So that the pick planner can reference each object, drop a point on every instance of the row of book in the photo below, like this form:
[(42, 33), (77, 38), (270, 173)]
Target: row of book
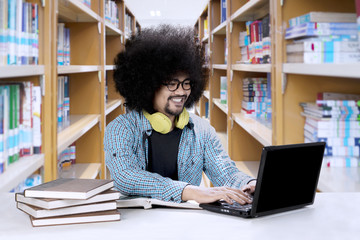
[(128, 25), (20, 121), (222, 11), (31, 181), (335, 119), (69, 201), (111, 13), (66, 159), (255, 42), (257, 98), (206, 26), (323, 37), (19, 33), (63, 45), (63, 102)]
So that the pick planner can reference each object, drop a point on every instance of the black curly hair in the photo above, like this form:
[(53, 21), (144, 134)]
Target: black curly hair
[(151, 58)]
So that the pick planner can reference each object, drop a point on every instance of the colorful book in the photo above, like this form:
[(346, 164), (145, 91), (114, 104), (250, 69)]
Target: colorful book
[(223, 90), (323, 46), (69, 188), (323, 57)]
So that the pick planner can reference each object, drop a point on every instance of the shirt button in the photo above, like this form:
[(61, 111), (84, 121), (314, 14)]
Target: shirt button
[(171, 199)]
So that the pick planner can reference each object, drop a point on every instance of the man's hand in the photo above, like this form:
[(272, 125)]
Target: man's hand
[(207, 195), (250, 187)]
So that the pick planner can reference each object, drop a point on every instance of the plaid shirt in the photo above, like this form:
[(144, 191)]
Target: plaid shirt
[(126, 150)]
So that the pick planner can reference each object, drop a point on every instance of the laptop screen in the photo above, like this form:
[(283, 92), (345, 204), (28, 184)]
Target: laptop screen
[(288, 177)]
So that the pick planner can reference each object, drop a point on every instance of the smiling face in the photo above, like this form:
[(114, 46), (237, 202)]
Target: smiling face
[(172, 103)]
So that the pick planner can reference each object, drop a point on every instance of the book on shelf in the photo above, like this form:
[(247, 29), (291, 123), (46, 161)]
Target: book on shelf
[(323, 46), (342, 161), (327, 132), (111, 13), (147, 203), (63, 45), (311, 29), (223, 89), (223, 11), (69, 188), (323, 57), (103, 216), (53, 203), (322, 17), (19, 33), (329, 97), (37, 212), (357, 4)]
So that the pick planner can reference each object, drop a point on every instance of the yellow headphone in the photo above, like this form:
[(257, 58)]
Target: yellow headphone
[(162, 124)]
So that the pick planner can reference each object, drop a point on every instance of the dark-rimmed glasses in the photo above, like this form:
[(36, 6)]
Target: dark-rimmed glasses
[(173, 85)]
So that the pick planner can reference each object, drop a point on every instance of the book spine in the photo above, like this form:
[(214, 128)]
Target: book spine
[(2, 140), (342, 161), (223, 11), (336, 142), (36, 102), (223, 90), (342, 151)]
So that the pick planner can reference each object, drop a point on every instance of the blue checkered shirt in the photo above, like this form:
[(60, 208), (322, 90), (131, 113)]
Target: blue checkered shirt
[(126, 150)]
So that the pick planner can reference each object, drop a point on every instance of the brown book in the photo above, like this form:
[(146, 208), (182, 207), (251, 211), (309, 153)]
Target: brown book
[(69, 188), (103, 216), (43, 213), (53, 203)]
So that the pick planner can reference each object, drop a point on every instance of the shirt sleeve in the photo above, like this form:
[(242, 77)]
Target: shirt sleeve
[(220, 169), (128, 170)]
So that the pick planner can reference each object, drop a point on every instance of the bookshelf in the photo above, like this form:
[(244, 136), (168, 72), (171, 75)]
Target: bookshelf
[(94, 43), (290, 84)]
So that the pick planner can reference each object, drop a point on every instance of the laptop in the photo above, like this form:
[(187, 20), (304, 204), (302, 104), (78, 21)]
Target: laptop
[(287, 179)]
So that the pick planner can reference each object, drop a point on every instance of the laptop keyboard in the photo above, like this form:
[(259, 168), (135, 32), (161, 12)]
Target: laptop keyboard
[(236, 206)]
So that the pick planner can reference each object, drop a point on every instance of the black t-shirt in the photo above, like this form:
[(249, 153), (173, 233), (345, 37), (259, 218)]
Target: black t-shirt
[(163, 153)]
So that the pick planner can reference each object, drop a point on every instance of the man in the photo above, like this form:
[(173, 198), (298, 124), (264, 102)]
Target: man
[(158, 149)]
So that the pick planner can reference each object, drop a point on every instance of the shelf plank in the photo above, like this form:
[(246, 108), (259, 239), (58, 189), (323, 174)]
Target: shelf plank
[(339, 179), (19, 171), (76, 11), (261, 131), (112, 30), (266, 68), (109, 67), (249, 167), (78, 69), (223, 107), (79, 125), (82, 170), (112, 105), (220, 66), (197, 110), (220, 30), (207, 94), (205, 38), (348, 70), (252, 10), (21, 71)]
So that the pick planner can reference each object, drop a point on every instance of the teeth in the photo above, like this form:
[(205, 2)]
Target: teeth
[(177, 99)]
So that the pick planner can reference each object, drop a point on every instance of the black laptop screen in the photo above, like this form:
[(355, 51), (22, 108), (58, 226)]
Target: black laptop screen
[(290, 177)]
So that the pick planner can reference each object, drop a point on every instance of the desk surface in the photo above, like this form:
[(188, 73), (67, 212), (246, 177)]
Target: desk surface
[(333, 216)]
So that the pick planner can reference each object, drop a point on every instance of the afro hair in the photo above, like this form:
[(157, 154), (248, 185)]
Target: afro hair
[(151, 58)]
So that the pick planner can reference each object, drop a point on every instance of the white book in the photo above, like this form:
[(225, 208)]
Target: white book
[(53, 203), (146, 203), (103, 216), (69, 188), (42, 213)]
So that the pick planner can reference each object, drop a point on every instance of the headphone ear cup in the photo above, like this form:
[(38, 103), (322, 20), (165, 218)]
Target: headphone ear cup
[(183, 119), (159, 122)]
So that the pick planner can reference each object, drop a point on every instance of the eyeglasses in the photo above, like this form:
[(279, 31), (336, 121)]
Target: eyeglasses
[(173, 85)]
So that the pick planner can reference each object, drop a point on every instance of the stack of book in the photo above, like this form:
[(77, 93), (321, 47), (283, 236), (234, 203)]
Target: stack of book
[(69, 201), (255, 99), (255, 42), (336, 122), (323, 37)]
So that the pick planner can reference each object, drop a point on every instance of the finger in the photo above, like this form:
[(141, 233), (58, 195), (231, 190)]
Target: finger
[(240, 198)]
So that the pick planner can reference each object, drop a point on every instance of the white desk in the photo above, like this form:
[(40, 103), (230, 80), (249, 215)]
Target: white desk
[(333, 216)]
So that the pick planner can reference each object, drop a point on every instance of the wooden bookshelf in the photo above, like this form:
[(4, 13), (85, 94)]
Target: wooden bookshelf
[(94, 44), (290, 84)]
